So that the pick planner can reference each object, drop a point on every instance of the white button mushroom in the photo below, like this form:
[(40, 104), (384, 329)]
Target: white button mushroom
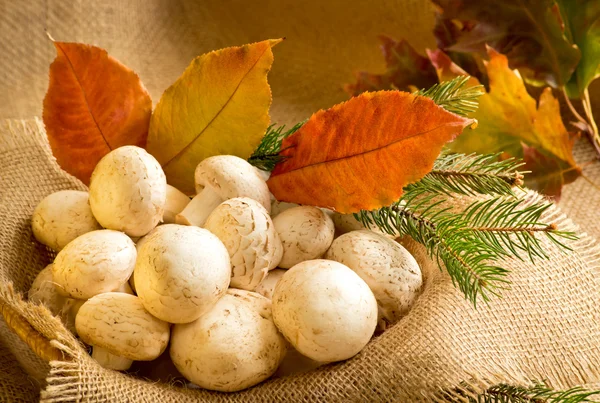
[(232, 347), (176, 202), (278, 207), (267, 286), (391, 271), (96, 262), (306, 233), (265, 175), (181, 272), (128, 191), (109, 360), (221, 178), (346, 222), (258, 302), (125, 287), (120, 324), (70, 309), (44, 291), (325, 310), (246, 230), (61, 217)]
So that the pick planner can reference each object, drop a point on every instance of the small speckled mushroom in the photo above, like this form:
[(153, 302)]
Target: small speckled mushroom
[(387, 267), (325, 310), (221, 178), (181, 272), (232, 347), (120, 324), (128, 191), (246, 230), (109, 360), (267, 287), (278, 207), (96, 262), (346, 222), (61, 217), (44, 291), (176, 202), (306, 233)]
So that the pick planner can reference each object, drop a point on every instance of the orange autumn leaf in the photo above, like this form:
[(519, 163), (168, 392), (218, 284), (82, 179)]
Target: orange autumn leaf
[(94, 104), (361, 153)]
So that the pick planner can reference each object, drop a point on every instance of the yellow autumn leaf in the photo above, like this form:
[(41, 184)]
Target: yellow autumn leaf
[(219, 105), (511, 122)]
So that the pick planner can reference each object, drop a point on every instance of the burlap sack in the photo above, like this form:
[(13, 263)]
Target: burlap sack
[(546, 327)]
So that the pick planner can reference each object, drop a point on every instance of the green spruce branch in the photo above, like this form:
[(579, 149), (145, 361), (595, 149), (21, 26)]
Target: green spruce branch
[(454, 95), (539, 393), (469, 242), (266, 155), (474, 174)]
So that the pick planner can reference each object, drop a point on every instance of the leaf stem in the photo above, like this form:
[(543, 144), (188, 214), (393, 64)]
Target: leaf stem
[(572, 108), (593, 134), (587, 106), (591, 182)]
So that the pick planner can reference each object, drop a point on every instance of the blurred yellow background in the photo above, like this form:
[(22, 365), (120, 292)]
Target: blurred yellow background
[(327, 41)]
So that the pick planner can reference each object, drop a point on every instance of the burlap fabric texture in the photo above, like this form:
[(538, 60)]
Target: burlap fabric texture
[(546, 327)]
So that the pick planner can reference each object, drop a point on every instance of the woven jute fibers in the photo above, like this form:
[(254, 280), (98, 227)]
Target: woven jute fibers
[(545, 327)]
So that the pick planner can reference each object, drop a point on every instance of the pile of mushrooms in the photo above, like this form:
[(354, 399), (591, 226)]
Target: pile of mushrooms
[(236, 285)]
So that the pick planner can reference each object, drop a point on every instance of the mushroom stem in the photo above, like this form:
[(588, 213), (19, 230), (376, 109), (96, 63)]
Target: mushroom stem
[(109, 360), (198, 210), (176, 202)]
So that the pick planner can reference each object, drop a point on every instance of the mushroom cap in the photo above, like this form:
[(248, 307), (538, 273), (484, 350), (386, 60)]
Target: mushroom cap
[(231, 347), (181, 272), (267, 287), (96, 262), (230, 176), (120, 324), (258, 302), (61, 217), (44, 291), (306, 233), (128, 191), (246, 230), (346, 222), (387, 267), (278, 207), (325, 310), (109, 360)]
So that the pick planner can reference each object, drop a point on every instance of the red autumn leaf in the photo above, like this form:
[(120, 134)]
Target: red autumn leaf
[(94, 104), (361, 153)]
